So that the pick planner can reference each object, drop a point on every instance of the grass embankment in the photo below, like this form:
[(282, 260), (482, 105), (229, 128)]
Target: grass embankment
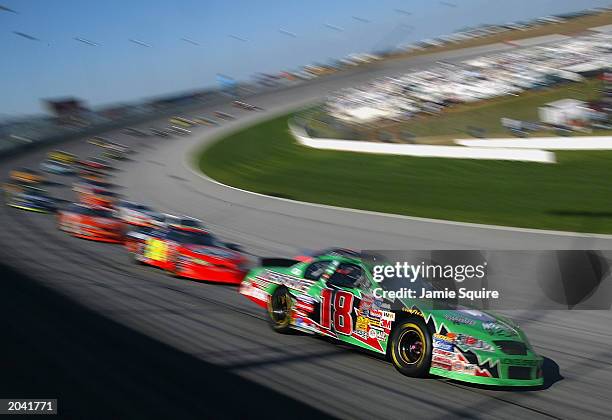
[(575, 194)]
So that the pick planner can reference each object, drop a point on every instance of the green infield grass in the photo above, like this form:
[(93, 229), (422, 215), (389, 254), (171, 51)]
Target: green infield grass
[(573, 195)]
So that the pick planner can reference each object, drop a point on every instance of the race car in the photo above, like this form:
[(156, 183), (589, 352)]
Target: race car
[(90, 186), (336, 296), (137, 236), (96, 163), (247, 106), (110, 145), (90, 222), (175, 129), (90, 175), (184, 222), (191, 253), (98, 141), (56, 167), (99, 197), (182, 122), (134, 132), (158, 132), (205, 121), (27, 197), (114, 154), (134, 213), (224, 115), (61, 156), (26, 175)]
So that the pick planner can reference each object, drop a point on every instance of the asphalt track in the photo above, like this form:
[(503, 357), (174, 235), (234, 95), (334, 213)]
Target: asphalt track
[(140, 336)]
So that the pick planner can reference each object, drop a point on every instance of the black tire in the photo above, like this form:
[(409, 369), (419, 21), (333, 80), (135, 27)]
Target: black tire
[(410, 348), (279, 310)]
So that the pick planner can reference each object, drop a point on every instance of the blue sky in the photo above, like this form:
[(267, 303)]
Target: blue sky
[(119, 70)]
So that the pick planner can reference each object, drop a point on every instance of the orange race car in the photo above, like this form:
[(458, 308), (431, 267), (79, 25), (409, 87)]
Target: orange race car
[(98, 197), (26, 175), (89, 222)]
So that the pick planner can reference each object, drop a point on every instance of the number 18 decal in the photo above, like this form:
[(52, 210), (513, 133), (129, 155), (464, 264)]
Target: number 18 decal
[(343, 307)]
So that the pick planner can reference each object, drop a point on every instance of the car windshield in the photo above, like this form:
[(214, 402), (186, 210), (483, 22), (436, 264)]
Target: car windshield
[(89, 211), (191, 238), (135, 206), (191, 223), (99, 213)]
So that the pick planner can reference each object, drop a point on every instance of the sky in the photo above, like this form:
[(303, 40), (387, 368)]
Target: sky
[(237, 38)]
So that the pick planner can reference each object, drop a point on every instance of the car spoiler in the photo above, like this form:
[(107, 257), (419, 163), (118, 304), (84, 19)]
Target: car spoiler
[(277, 262)]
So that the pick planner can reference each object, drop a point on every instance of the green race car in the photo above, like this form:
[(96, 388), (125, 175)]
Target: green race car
[(336, 296)]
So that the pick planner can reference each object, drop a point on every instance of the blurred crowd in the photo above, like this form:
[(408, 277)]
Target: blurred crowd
[(495, 75)]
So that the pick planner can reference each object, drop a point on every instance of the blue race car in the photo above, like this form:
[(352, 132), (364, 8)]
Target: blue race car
[(30, 198), (55, 167)]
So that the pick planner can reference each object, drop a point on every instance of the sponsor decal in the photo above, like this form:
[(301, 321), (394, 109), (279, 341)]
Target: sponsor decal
[(362, 323), (375, 323), (387, 316), (361, 334), (366, 302), (443, 353), (497, 329), (375, 313), (379, 304), (385, 323), (377, 334), (457, 319), (291, 282), (441, 363), (255, 292), (304, 306), (442, 342), (470, 342), (413, 311)]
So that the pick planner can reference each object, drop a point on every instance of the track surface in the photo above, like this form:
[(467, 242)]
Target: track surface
[(215, 325)]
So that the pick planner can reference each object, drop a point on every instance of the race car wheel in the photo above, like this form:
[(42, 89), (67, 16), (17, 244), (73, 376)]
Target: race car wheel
[(410, 348), (279, 310)]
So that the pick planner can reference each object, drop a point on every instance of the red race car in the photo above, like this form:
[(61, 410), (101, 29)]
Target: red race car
[(96, 163), (95, 223), (191, 253)]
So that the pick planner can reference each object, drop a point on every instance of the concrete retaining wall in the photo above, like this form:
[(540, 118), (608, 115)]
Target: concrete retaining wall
[(454, 152), (546, 143)]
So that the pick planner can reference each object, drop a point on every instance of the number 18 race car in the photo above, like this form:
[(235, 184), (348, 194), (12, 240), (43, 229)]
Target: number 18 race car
[(335, 296)]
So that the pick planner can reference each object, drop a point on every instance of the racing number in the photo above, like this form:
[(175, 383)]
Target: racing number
[(155, 250), (343, 306)]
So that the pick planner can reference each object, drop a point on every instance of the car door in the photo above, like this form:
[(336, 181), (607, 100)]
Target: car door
[(345, 304), (155, 247), (349, 310)]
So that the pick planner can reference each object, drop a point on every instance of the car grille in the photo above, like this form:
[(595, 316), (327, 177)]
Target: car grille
[(519, 372), (515, 348)]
